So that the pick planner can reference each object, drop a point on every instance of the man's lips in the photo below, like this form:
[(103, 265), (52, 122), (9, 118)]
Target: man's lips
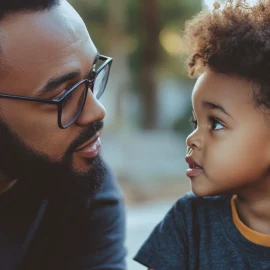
[(90, 141), (91, 148)]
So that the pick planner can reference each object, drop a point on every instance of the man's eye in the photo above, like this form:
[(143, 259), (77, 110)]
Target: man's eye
[(215, 124), (67, 99), (58, 95)]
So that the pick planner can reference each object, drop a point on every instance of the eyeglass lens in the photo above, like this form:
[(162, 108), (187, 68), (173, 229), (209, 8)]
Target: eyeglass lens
[(73, 103)]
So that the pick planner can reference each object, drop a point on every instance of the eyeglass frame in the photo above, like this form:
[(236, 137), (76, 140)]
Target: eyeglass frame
[(58, 101)]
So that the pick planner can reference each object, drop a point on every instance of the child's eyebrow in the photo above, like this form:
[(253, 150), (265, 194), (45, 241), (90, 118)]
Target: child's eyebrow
[(214, 106)]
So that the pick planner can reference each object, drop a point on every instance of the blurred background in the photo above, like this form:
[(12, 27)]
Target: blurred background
[(147, 101)]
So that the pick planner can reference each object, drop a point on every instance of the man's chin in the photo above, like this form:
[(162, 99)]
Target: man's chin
[(85, 166), (90, 177), (63, 182)]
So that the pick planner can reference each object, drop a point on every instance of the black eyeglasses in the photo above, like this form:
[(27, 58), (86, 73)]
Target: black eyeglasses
[(70, 105)]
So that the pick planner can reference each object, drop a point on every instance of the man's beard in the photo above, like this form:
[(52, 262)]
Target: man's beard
[(39, 173)]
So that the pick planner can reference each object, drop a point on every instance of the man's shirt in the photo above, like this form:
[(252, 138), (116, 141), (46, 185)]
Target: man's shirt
[(39, 234)]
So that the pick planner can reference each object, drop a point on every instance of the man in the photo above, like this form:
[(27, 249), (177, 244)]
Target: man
[(60, 207)]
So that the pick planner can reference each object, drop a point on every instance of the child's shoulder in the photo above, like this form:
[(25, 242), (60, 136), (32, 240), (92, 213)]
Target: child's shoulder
[(189, 205), (173, 243)]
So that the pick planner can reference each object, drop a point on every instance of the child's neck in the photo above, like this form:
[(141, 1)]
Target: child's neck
[(254, 211)]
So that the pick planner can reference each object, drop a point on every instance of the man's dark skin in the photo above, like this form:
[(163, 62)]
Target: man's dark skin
[(41, 158), (35, 49)]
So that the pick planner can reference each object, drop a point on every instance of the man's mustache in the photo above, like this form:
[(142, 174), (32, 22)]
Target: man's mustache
[(86, 135)]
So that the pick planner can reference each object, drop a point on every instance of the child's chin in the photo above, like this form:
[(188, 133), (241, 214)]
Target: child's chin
[(204, 192)]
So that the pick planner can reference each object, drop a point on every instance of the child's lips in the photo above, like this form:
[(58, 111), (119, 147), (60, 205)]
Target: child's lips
[(191, 172), (192, 164), (194, 168)]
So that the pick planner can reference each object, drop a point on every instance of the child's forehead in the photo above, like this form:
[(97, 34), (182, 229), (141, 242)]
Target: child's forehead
[(221, 88)]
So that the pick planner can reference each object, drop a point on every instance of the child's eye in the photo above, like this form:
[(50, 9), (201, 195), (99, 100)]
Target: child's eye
[(216, 125), (193, 122)]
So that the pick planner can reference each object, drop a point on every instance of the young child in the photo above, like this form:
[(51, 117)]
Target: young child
[(225, 222)]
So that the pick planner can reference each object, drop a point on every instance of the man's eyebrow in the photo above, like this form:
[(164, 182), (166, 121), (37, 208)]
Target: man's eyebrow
[(214, 106), (54, 83)]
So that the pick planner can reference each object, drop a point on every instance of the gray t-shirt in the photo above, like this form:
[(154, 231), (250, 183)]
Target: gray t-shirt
[(199, 233)]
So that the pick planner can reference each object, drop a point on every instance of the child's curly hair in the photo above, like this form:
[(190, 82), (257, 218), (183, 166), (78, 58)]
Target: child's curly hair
[(233, 39)]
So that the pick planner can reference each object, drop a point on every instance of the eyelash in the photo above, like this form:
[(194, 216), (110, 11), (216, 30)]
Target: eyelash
[(89, 77), (193, 122), (212, 119)]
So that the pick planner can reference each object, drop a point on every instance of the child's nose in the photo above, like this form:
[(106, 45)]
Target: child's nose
[(194, 140)]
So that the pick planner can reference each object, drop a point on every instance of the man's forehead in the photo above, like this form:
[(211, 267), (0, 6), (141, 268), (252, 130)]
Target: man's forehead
[(63, 11), (46, 41), (60, 25)]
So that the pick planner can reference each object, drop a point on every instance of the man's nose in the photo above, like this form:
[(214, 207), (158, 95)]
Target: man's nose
[(93, 111)]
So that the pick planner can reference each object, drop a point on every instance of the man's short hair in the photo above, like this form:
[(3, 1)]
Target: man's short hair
[(11, 6)]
